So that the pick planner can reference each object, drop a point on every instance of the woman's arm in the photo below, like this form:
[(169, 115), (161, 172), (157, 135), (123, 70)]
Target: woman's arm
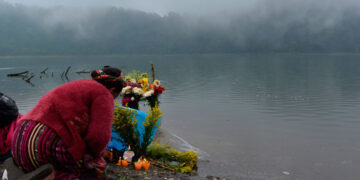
[(99, 130)]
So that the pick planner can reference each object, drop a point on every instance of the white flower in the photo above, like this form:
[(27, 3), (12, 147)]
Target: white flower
[(148, 93), (138, 91), (157, 83), (132, 98), (126, 90)]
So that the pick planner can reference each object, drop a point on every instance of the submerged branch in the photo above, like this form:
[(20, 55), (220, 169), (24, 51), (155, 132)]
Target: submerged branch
[(18, 74), (83, 72), (66, 73), (44, 71)]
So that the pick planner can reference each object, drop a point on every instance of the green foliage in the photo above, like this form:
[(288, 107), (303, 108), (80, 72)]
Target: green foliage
[(165, 153), (160, 152), (136, 75), (151, 122), (125, 124)]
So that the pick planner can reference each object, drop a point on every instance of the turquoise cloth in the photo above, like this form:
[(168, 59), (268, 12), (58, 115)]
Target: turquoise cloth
[(115, 142)]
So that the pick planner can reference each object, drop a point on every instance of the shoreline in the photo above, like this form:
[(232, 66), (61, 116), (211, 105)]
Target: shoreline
[(129, 173)]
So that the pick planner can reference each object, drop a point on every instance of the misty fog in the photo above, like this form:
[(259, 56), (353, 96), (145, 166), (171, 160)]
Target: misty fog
[(264, 26)]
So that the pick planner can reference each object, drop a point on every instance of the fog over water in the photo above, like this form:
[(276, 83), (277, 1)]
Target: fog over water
[(109, 27)]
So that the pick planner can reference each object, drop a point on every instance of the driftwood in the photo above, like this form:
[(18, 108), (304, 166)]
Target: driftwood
[(83, 72), (62, 75), (28, 79), (66, 73), (44, 71), (21, 74)]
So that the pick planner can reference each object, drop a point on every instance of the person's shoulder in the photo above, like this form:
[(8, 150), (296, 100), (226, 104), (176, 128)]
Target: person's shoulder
[(92, 87), (83, 83)]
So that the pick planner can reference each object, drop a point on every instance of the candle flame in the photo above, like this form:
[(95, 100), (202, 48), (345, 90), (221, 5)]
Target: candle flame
[(129, 147)]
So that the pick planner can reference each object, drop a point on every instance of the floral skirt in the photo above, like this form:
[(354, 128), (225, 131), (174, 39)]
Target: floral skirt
[(35, 144)]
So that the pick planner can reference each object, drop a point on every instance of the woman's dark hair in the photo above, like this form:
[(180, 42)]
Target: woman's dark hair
[(8, 110), (109, 77)]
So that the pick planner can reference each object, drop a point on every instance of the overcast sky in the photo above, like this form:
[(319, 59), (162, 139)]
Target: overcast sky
[(158, 6)]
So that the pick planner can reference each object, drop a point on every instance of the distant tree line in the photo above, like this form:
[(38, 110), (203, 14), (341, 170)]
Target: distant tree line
[(56, 31)]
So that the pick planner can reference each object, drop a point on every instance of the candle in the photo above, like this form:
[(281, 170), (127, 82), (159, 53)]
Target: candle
[(111, 155), (138, 165), (119, 162), (124, 163), (128, 155), (146, 165)]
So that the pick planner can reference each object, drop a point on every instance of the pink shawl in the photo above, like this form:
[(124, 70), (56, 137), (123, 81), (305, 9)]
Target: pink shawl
[(6, 136)]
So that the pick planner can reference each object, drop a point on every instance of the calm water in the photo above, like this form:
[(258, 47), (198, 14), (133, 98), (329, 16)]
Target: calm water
[(256, 116)]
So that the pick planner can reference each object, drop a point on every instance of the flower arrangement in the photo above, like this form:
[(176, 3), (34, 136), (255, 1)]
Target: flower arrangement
[(152, 95), (138, 88), (131, 95)]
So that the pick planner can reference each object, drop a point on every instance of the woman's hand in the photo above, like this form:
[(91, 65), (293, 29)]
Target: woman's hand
[(106, 155)]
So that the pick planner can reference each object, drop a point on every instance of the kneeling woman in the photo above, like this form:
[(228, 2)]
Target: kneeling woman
[(70, 127)]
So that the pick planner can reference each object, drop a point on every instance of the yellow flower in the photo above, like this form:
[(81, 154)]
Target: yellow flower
[(145, 84), (145, 80)]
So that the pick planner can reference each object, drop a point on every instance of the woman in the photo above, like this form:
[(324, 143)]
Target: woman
[(9, 113), (70, 127)]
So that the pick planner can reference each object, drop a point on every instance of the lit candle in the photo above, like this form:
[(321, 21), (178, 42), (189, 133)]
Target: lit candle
[(146, 165), (111, 155), (119, 162), (128, 155), (138, 165), (124, 163)]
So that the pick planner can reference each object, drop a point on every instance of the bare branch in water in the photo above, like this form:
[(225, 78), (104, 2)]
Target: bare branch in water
[(62, 75), (44, 71), (28, 79), (83, 72), (66, 73), (21, 74)]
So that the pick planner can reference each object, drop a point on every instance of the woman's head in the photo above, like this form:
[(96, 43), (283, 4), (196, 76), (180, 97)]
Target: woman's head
[(8, 110), (110, 77)]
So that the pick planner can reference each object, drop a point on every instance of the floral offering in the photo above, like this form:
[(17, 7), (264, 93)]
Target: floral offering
[(137, 88), (152, 95), (131, 96)]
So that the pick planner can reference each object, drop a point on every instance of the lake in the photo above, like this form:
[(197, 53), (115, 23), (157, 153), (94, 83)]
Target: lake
[(253, 116)]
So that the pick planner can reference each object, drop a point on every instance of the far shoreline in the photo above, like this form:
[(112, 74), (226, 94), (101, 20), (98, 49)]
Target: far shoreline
[(175, 54)]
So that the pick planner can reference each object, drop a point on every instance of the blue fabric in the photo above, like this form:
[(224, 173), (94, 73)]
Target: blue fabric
[(116, 144)]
